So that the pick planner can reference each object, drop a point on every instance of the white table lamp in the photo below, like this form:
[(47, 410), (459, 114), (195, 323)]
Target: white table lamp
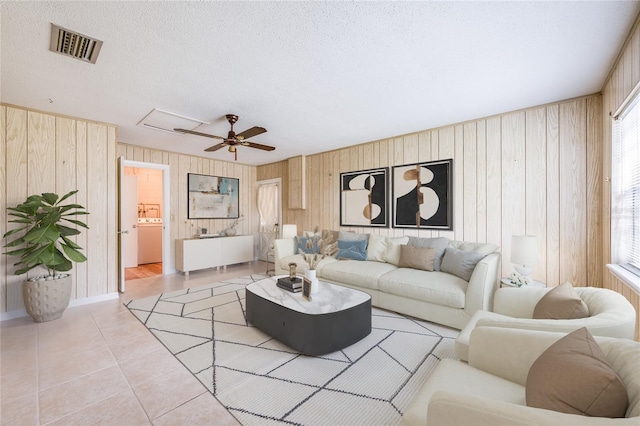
[(524, 253), (289, 230)]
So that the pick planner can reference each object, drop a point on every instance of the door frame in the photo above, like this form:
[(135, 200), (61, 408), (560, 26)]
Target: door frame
[(166, 216)]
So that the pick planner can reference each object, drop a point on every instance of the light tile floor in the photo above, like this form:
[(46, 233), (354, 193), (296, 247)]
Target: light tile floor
[(98, 365)]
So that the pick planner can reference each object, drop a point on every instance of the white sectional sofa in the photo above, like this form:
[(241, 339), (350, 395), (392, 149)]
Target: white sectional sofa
[(435, 296)]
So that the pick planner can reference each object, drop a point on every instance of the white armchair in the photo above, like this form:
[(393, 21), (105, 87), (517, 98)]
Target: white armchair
[(490, 389), (610, 314)]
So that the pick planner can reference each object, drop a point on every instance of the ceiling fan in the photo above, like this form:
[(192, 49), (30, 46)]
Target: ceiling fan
[(233, 140)]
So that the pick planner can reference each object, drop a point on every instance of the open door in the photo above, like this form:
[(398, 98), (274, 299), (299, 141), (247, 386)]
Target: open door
[(127, 223), (128, 219)]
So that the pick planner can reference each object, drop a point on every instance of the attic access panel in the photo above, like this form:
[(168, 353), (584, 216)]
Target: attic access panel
[(165, 121)]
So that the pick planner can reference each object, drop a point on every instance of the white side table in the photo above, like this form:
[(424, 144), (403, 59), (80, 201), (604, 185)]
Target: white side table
[(506, 282)]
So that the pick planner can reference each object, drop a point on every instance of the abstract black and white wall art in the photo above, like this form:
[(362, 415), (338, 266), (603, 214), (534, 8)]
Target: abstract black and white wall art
[(363, 198), (213, 197), (422, 195)]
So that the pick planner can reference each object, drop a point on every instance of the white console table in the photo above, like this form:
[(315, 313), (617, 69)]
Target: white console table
[(202, 253)]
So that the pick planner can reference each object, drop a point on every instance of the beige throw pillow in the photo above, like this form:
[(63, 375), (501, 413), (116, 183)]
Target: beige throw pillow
[(417, 258), (439, 243), (562, 302), (573, 376)]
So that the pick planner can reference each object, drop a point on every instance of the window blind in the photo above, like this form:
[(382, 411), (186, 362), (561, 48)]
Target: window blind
[(625, 187)]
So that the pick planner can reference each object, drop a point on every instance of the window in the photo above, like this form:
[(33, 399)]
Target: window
[(625, 186)]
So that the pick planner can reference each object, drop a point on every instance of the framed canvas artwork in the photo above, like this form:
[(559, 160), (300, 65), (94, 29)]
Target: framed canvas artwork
[(422, 195), (213, 197), (363, 198)]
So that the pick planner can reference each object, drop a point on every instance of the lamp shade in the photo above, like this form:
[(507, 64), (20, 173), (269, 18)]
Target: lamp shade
[(289, 230), (524, 250)]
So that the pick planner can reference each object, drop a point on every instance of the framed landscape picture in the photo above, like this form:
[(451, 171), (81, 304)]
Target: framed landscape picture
[(213, 197), (363, 198), (422, 195)]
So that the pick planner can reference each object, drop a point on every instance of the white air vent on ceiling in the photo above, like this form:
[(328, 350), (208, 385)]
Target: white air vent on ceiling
[(74, 44), (166, 121)]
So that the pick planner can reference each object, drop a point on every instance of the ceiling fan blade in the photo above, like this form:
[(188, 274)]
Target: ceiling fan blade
[(249, 133), (215, 147), (259, 146), (191, 132)]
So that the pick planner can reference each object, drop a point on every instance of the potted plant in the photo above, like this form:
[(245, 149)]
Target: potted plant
[(43, 240)]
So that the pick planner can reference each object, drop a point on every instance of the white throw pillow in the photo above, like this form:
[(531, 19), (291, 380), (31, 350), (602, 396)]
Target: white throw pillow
[(376, 248), (392, 253)]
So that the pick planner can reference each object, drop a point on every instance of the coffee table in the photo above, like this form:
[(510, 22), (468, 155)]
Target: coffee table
[(335, 318)]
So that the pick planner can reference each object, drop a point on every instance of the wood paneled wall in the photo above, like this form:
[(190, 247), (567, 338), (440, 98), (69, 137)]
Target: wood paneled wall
[(535, 171), (49, 153), (180, 165), (624, 76)]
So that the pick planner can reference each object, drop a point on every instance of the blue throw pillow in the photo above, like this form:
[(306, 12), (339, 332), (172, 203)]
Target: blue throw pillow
[(354, 250), (301, 244)]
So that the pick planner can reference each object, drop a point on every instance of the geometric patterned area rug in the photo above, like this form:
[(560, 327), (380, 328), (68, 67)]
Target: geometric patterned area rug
[(261, 381)]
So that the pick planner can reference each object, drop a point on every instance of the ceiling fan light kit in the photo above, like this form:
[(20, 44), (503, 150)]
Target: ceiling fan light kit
[(233, 139)]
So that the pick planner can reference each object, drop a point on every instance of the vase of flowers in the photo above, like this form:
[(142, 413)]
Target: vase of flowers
[(519, 280), (315, 250)]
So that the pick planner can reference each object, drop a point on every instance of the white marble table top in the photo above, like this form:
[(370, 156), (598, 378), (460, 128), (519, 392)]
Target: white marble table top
[(329, 298)]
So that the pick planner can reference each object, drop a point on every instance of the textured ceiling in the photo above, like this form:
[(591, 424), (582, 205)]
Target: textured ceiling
[(317, 76)]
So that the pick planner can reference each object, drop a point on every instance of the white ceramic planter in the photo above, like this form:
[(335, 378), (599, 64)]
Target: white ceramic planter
[(46, 300)]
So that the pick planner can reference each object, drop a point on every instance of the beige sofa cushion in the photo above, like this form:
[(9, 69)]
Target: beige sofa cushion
[(359, 273), (458, 377), (573, 376), (438, 288), (562, 302)]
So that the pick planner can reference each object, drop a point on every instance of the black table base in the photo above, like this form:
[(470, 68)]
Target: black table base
[(310, 334)]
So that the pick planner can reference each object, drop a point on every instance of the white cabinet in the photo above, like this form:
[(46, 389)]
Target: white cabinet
[(201, 253)]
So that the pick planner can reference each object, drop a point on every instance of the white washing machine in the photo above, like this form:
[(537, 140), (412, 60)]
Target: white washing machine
[(149, 240)]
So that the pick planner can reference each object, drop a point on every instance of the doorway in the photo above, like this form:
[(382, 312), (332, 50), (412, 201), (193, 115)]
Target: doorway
[(270, 214), (144, 220)]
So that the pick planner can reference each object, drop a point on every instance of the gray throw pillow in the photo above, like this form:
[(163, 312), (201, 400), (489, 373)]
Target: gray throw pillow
[(460, 263), (439, 243)]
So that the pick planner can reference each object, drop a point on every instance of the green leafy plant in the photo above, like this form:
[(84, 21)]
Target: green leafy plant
[(44, 233)]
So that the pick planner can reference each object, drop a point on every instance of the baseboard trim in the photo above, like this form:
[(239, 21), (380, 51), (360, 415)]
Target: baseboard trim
[(5, 316)]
